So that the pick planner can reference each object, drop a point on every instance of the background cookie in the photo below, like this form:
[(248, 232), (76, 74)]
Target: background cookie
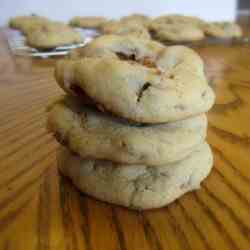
[(177, 28), (222, 29), (93, 134), (52, 35), (136, 19), (137, 186), (27, 24), (93, 22), (126, 28), (176, 32), (178, 19)]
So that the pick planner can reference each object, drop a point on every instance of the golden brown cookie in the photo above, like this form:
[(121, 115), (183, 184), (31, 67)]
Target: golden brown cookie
[(177, 28), (140, 80), (176, 32), (91, 22), (136, 19), (126, 28), (93, 134), (108, 45), (137, 186), (223, 30), (52, 35), (178, 19), (27, 24)]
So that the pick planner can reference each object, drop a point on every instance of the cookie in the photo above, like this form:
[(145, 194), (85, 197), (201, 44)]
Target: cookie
[(177, 28), (179, 19), (176, 32), (52, 35), (140, 80), (93, 134), (114, 46), (137, 187), (136, 19), (91, 22), (223, 30), (126, 28), (27, 24)]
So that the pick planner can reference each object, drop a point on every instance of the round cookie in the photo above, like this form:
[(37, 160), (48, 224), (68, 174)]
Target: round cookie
[(28, 23), (136, 19), (52, 35), (90, 22), (140, 80), (178, 19), (92, 134), (126, 28), (177, 28), (137, 186), (223, 30), (176, 32)]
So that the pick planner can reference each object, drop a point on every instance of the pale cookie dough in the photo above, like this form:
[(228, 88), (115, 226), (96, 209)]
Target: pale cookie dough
[(140, 80), (52, 35), (27, 24), (92, 134), (137, 186), (223, 30), (90, 22)]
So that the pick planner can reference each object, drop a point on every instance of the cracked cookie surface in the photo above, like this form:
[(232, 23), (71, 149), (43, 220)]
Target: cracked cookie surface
[(140, 80)]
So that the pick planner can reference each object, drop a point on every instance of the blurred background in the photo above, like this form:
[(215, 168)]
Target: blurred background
[(63, 10)]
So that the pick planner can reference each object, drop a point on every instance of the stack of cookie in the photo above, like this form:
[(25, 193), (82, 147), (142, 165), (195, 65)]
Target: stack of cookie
[(132, 126)]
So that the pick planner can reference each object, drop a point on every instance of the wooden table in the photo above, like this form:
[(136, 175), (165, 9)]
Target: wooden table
[(41, 210)]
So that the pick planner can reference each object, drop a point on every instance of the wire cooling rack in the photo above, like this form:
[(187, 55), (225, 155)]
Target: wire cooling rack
[(17, 44)]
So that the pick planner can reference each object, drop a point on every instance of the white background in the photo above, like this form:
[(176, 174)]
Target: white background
[(64, 10)]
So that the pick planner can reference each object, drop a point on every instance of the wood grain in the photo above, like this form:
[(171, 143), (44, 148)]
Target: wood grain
[(41, 210)]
